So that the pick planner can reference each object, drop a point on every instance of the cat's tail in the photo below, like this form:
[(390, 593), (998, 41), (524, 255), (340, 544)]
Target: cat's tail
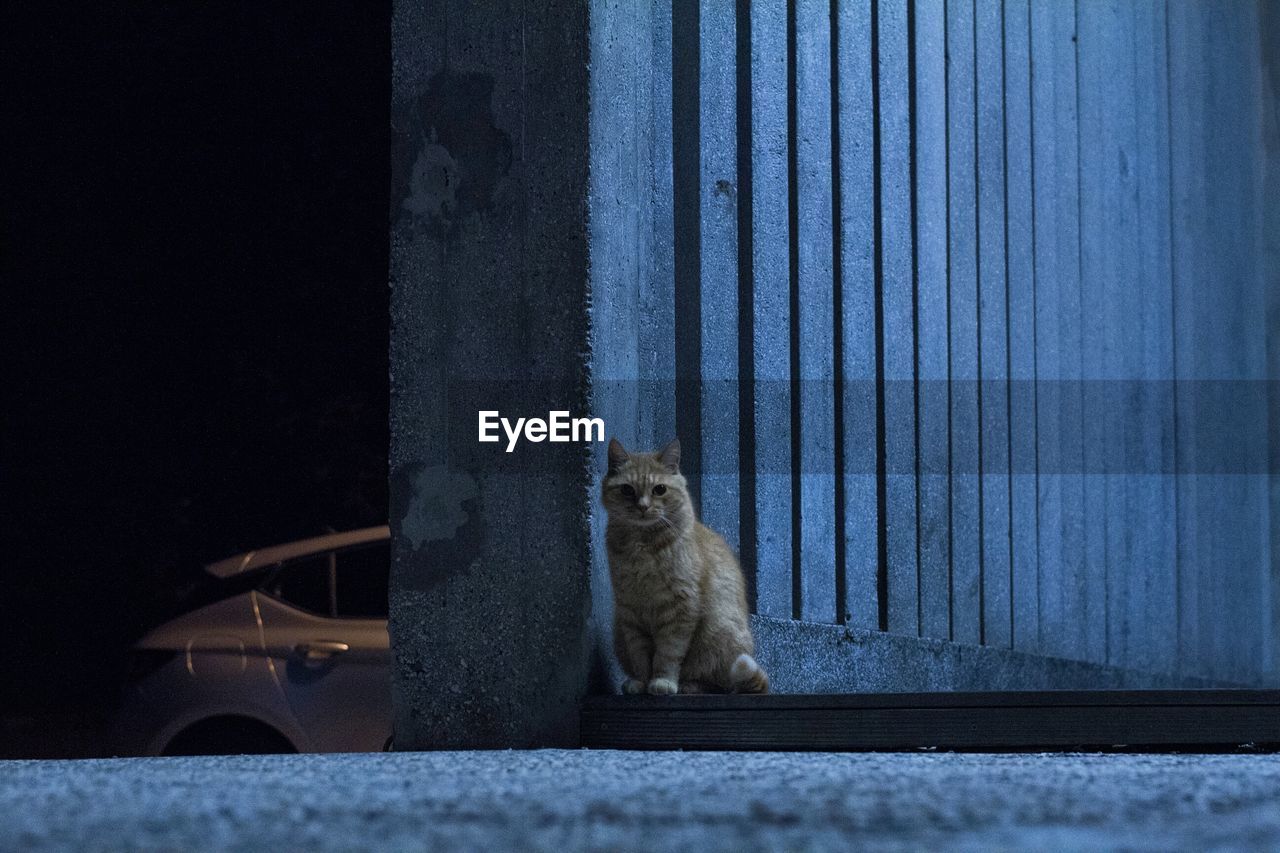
[(747, 676)]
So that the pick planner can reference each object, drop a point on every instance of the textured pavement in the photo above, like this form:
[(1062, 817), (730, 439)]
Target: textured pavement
[(571, 800)]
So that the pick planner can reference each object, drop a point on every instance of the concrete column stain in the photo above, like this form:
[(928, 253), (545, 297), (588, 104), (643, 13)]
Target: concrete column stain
[(436, 508), (461, 153), (443, 521)]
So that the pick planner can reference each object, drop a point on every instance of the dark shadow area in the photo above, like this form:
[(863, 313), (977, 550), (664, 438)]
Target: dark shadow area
[(193, 315)]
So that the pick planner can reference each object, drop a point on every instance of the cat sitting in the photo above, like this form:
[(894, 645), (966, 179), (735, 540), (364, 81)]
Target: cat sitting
[(680, 616)]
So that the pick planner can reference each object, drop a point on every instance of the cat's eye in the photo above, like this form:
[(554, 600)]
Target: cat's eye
[(659, 490), (628, 491)]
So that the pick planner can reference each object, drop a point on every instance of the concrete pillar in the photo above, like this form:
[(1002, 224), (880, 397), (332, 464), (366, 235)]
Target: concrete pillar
[(490, 594)]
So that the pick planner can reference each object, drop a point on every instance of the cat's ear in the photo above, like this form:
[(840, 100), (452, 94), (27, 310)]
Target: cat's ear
[(617, 455), (670, 456)]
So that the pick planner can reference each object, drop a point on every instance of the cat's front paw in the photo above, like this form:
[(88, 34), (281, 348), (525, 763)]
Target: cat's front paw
[(633, 686), (663, 687)]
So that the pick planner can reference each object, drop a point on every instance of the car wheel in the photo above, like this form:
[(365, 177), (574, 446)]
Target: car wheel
[(229, 736)]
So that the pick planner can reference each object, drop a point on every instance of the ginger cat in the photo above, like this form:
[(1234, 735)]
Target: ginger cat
[(680, 618)]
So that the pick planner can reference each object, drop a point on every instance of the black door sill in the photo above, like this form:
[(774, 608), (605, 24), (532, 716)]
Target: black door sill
[(1178, 720)]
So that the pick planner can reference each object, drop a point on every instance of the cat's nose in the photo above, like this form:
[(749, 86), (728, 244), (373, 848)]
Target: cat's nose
[(643, 503)]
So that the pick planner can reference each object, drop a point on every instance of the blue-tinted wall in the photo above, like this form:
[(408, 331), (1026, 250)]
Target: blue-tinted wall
[(959, 308)]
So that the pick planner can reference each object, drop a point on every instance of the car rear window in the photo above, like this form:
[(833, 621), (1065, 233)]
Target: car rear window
[(304, 583)]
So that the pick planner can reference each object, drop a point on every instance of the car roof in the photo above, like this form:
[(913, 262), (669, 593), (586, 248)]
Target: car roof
[(250, 560)]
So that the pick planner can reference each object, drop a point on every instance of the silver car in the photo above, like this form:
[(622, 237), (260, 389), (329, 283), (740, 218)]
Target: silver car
[(285, 651)]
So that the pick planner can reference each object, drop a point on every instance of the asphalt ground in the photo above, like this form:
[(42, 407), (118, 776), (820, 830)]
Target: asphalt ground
[(555, 800)]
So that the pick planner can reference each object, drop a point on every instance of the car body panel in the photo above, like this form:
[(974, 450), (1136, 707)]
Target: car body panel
[(321, 682), (343, 700), (215, 671)]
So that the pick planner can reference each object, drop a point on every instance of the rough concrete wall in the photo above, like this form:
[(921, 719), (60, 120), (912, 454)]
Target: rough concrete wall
[(1269, 52), (533, 267), (632, 301), (490, 586), (1100, 494)]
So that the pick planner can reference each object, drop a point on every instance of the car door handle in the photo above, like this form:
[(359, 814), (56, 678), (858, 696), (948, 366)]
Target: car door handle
[(318, 650)]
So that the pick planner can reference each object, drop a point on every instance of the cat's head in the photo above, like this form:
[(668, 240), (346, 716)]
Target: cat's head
[(646, 489)]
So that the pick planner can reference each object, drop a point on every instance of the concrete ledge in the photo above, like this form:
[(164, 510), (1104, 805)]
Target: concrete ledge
[(806, 657), (558, 801), (1035, 721)]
